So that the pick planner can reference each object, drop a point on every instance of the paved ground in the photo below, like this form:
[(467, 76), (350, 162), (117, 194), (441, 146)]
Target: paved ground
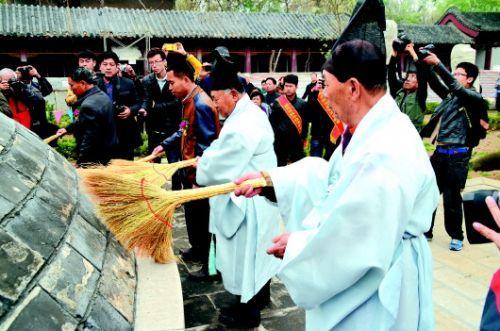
[(461, 280)]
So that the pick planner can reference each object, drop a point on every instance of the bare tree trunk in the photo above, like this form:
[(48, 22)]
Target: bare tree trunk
[(271, 60), (277, 59)]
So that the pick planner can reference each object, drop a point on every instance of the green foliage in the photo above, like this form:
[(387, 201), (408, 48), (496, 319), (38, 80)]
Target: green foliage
[(431, 106), (486, 161), (494, 118), (429, 147), (66, 146), (143, 149)]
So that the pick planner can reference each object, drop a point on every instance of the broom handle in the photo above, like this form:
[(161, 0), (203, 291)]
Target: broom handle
[(150, 157), (210, 191), (50, 139)]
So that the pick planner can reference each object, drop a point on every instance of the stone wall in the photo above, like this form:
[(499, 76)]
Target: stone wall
[(59, 267)]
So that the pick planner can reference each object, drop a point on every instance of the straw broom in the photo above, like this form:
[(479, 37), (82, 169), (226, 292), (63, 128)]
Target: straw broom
[(142, 218), (152, 172)]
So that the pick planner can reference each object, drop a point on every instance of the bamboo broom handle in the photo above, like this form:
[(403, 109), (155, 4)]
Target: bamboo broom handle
[(150, 157), (210, 191), (50, 139)]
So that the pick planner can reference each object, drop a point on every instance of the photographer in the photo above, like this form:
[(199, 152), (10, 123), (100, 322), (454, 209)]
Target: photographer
[(162, 110), (121, 91), (26, 75), (94, 129), (26, 103), (453, 120), (410, 94)]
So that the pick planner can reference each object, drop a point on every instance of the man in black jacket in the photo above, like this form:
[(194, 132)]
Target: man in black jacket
[(94, 129), (160, 107), (453, 116), (289, 136), (121, 91)]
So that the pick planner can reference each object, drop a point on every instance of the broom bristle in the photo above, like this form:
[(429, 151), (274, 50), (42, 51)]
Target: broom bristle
[(139, 213)]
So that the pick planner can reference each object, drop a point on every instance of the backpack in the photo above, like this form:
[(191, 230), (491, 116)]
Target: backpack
[(475, 130)]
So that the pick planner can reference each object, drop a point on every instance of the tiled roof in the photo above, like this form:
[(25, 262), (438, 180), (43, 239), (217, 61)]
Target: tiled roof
[(434, 34), (51, 21), (478, 21)]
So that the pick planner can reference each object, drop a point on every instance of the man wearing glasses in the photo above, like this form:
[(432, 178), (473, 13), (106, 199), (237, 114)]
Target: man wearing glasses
[(454, 117), (160, 107)]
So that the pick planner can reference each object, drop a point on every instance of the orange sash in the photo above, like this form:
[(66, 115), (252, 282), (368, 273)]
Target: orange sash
[(291, 112), (338, 126)]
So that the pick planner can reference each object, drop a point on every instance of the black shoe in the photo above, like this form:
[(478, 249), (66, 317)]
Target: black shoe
[(240, 317), (190, 255), (202, 275)]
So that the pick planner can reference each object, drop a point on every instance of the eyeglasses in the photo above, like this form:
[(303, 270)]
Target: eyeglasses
[(456, 74), (156, 62)]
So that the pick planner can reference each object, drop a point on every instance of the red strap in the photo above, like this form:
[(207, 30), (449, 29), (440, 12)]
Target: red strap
[(158, 217)]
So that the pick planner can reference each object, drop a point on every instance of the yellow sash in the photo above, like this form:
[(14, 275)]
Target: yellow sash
[(338, 126), (291, 112)]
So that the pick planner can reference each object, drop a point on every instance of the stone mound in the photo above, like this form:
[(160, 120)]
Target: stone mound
[(59, 267)]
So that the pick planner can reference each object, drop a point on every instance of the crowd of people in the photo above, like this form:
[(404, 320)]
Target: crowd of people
[(208, 111)]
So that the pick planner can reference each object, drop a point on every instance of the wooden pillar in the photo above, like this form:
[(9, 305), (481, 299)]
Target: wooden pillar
[(487, 59), (294, 60), (248, 60)]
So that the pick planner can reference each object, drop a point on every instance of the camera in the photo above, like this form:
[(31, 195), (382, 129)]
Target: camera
[(119, 108), (15, 85), (399, 44), (25, 72), (425, 51)]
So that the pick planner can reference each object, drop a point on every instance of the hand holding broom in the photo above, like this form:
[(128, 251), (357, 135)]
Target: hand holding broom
[(140, 214), (60, 133)]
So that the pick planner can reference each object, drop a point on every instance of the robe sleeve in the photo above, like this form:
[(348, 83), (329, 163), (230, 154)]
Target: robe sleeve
[(359, 223), (301, 185), (224, 160)]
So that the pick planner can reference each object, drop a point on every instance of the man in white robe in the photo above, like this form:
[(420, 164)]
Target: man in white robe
[(242, 227), (359, 260)]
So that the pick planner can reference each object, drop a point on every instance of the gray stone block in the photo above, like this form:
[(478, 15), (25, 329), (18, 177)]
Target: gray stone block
[(199, 311), (87, 241), (28, 165), (14, 186), (5, 207), (118, 281), (58, 200), (7, 131), (40, 313), (18, 265), (292, 319), (281, 298), (87, 210), (57, 182), (39, 226), (71, 280), (103, 316)]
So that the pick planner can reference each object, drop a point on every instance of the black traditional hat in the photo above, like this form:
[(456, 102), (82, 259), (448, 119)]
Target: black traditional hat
[(367, 23), (178, 63), (224, 74)]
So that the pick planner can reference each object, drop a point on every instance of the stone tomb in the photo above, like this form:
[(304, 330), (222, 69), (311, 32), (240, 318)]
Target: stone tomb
[(60, 269)]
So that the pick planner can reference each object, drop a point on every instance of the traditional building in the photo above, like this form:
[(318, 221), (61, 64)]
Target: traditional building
[(49, 36), (483, 28)]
